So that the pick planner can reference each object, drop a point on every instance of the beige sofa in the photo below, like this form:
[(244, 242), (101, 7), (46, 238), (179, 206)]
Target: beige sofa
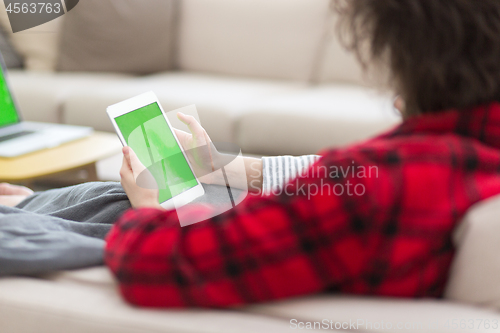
[(268, 76)]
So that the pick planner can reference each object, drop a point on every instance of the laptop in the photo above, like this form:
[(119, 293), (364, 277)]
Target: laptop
[(18, 137)]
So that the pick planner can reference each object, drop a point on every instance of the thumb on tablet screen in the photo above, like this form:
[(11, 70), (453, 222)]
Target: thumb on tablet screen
[(142, 175)]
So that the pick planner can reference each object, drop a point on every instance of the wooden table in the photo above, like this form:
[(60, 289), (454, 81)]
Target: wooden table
[(80, 154)]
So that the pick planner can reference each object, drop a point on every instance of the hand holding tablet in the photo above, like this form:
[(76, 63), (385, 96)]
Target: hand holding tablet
[(139, 196), (141, 124)]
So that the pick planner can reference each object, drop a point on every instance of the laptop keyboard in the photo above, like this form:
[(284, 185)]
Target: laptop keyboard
[(15, 135)]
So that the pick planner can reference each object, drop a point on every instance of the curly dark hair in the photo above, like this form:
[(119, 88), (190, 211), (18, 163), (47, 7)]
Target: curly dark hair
[(442, 54)]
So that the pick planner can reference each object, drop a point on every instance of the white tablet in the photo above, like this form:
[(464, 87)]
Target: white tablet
[(141, 124)]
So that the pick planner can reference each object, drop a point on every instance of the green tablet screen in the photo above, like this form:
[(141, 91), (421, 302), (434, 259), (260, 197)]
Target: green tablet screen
[(146, 131)]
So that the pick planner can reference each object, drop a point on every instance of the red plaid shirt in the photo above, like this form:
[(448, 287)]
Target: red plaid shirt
[(393, 240)]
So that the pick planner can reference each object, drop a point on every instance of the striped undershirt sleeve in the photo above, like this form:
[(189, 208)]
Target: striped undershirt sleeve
[(279, 170)]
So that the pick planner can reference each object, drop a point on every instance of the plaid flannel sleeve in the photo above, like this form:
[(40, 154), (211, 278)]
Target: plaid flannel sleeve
[(267, 248)]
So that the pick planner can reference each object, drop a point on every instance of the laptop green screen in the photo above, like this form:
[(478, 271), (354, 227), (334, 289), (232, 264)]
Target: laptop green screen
[(8, 112)]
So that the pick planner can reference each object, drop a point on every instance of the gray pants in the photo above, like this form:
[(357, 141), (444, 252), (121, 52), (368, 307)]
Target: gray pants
[(59, 229), (65, 228)]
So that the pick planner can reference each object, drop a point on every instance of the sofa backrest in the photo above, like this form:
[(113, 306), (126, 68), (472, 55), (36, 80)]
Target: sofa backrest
[(278, 39)]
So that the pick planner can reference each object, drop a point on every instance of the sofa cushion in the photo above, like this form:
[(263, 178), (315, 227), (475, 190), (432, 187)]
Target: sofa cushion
[(218, 99), (36, 102), (335, 64), (308, 121), (39, 45), (87, 301), (382, 314), (276, 39), (339, 65), (123, 36), (40, 95), (10, 56), (475, 272)]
